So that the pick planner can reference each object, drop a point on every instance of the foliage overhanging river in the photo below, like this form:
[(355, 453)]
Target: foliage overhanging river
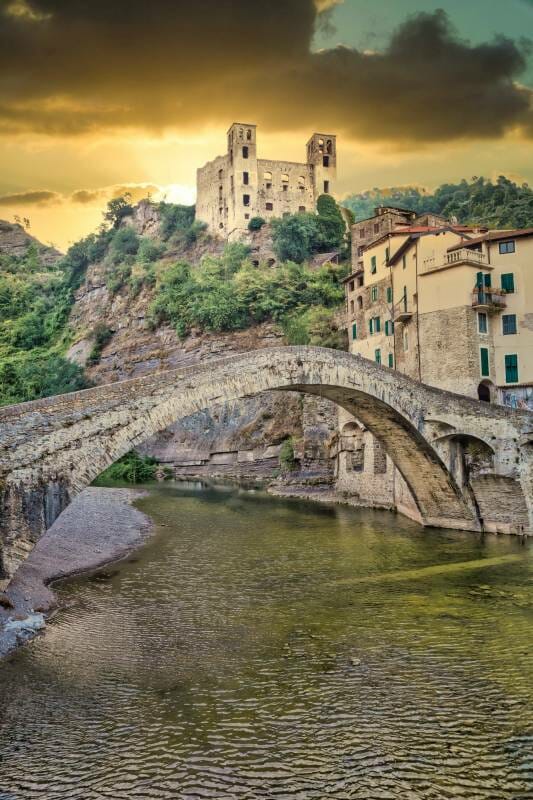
[(262, 648)]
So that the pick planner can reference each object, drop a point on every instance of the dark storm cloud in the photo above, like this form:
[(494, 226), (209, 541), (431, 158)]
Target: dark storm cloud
[(77, 67), (39, 197)]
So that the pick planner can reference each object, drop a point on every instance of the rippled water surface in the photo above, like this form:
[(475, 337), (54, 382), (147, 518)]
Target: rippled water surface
[(260, 648)]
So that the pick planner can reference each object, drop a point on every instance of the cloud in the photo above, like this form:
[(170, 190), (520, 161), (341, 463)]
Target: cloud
[(99, 196), (22, 10), (175, 66), (32, 198)]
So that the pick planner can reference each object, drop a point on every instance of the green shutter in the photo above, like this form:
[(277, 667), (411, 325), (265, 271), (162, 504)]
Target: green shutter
[(391, 361), (484, 354), (373, 264), (377, 354), (486, 280), (508, 282), (479, 280), (511, 368), (389, 294), (378, 324), (371, 326), (354, 331)]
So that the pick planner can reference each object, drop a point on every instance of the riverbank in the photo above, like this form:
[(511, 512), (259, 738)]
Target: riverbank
[(99, 527)]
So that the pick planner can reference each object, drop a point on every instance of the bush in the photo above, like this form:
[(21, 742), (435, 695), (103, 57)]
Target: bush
[(149, 251), (175, 218), (315, 326), (256, 223), (31, 376), (294, 237), (125, 242), (131, 468), (101, 336), (287, 458), (193, 233)]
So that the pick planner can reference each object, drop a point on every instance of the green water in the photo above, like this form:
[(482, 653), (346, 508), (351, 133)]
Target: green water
[(261, 648)]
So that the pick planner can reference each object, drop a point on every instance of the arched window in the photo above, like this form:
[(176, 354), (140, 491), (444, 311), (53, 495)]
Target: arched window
[(249, 135), (360, 302), (267, 177), (285, 182), (329, 146), (301, 182), (321, 145)]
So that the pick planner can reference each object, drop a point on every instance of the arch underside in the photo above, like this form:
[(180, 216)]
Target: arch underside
[(64, 444)]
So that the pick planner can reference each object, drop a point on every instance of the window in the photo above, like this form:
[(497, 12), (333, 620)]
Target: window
[(484, 359), (326, 187), (387, 254), (249, 135), (357, 459), (359, 302), (360, 251), (267, 177), (380, 458), (352, 307), (375, 325), (246, 199), (321, 145), (389, 294), (376, 227), (301, 182), (220, 174), (301, 209), (354, 331), (508, 324), (374, 293), (246, 178), (405, 341), (508, 282), (377, 356), (511, 369), (362, 233), (506, 247), (389, 327), (245, 152), (269, 206), (404, 262), (373, 265), (246, 216), (482, 322), (482, 280), (325, 161), (351, 286), (391, 361), (371, 325), (285, 182)]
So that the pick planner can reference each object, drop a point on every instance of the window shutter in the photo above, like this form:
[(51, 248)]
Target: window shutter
[(354, 331), (486, 279), (389, 294), (511, 368), (391, 361), (479, 280), (378, 324), (508, 282), (484, 354), (371, 326)]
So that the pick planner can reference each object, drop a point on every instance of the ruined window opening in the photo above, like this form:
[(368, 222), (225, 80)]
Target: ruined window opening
[(352, 307), (245, 152), (301, 209), (220, 174), (326, 187), (246, 178), (246, 199), (321, 145), (249, 135), (359, 302), (220, 224), (325, 161), (285, 182), (220, 210), (357, 459), (246, 216), (376, 227), (362, 233), (380, 458), (360, 281), (329, 146), (301, 182), (351, 286), (269, 206)]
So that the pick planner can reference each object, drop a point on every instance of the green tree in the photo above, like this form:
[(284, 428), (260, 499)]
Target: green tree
[(117, 209), (331, 225), (294, 237)]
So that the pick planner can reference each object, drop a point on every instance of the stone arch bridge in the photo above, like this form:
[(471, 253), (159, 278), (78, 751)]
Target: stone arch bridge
[(53, 448)]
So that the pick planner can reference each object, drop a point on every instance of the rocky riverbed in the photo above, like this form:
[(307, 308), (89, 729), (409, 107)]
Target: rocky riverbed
[(99, 527)]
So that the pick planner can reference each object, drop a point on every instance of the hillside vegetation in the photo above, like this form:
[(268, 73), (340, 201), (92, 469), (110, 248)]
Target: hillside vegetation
[(213, 293), (503, 204)]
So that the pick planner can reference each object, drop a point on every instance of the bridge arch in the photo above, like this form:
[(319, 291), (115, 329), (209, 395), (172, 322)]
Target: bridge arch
[(52, 449)]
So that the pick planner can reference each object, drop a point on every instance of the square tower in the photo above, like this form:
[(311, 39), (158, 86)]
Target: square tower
[(242, 166), (322, 159)]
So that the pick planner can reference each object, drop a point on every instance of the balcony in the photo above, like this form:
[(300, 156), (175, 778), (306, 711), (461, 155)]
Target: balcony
[(489, 300), (402, 311), (471, 258)]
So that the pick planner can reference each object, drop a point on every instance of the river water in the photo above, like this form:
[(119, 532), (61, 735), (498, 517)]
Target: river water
[(266, 648)]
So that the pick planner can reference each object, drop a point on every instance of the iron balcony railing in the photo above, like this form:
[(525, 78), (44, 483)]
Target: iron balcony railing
[(489, 298)]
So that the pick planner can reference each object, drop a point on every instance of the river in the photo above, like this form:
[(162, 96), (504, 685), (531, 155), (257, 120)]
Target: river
[(267, 648)]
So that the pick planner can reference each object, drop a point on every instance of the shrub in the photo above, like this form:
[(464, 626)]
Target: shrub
[(314, 326), (125, 242), (149, 250), (294, 237), (256, 223), (131, 468), (101, 336), (193, 233), (34, 375), (287, 458), (175, 218)]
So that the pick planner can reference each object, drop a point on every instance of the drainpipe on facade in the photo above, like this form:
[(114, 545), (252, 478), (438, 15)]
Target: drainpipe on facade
[(417, 318)]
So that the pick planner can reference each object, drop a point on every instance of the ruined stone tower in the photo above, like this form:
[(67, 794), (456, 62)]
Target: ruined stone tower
[(237, 186)]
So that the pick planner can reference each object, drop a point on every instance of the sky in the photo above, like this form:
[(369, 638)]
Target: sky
[(100, 97)]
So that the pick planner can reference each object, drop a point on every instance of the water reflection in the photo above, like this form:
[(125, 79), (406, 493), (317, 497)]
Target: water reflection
[(260, 648)]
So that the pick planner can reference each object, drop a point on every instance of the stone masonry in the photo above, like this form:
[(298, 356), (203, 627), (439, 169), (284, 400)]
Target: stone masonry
[(53, 448)]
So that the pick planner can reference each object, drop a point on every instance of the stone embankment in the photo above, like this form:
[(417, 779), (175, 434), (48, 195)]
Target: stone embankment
[(99, 527)]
